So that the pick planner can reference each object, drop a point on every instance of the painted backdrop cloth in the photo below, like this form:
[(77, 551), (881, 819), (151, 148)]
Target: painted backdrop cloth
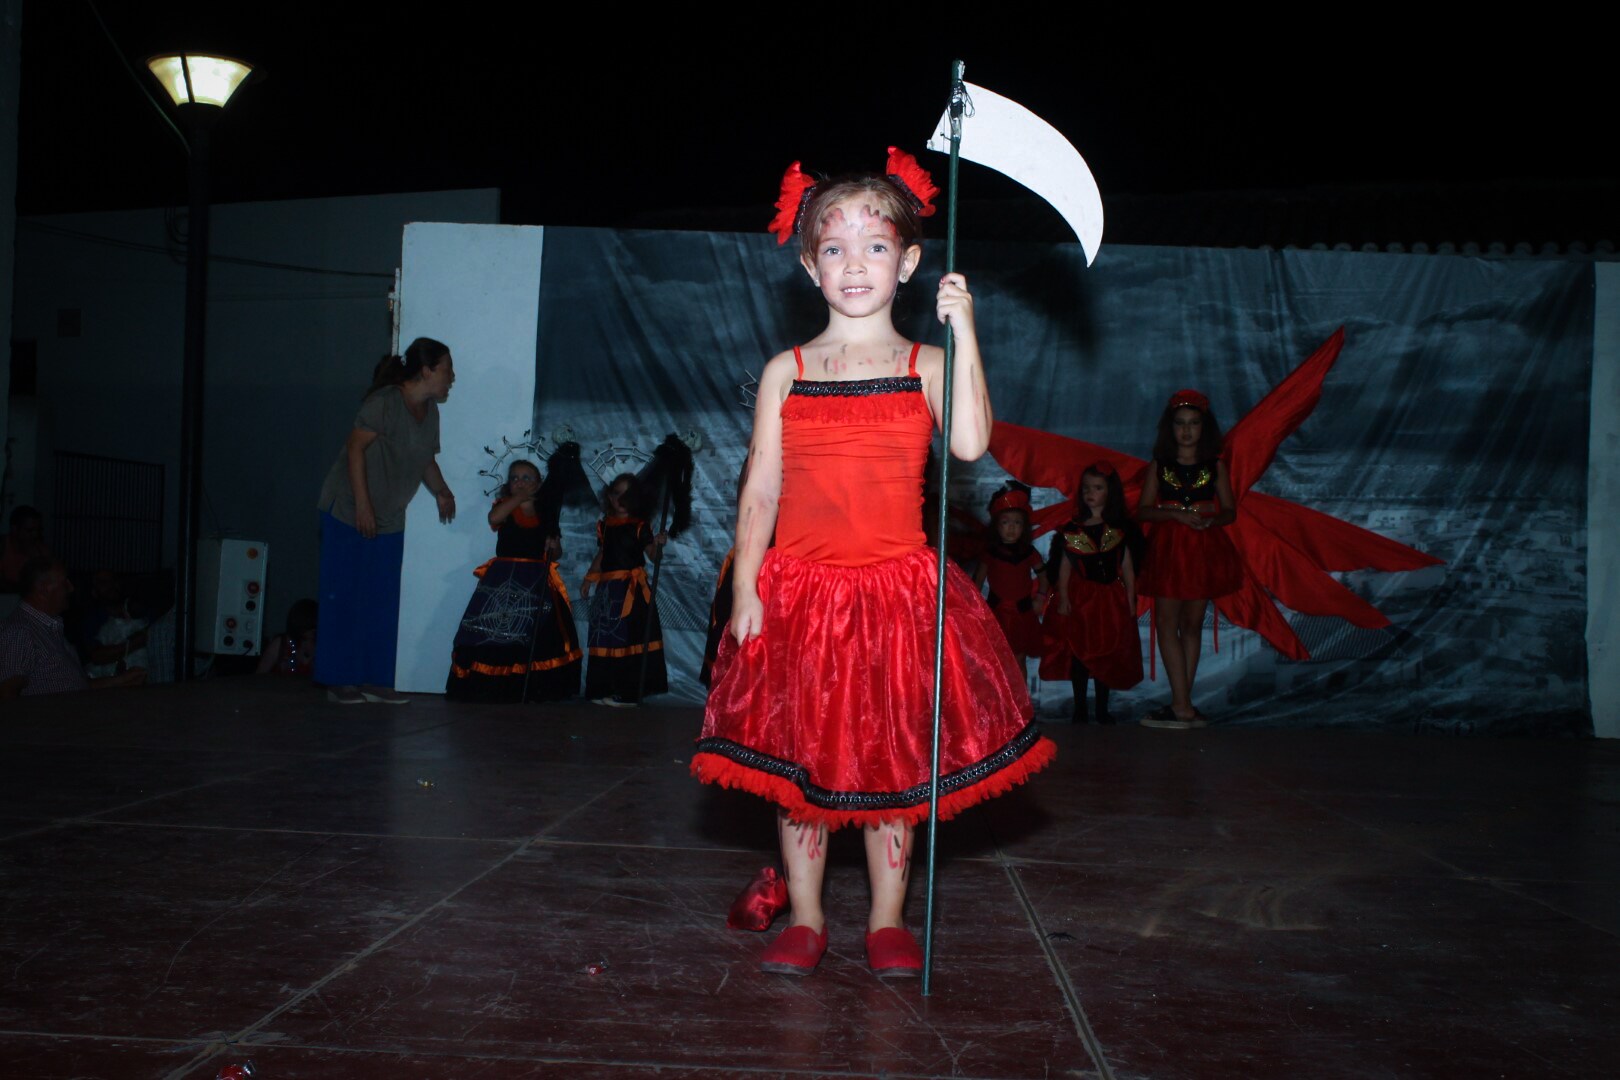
[(1457, 421), (828, 712)]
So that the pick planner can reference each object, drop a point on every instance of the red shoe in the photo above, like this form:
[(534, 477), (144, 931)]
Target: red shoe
[(760, 902), (796, 951), (892, 953)]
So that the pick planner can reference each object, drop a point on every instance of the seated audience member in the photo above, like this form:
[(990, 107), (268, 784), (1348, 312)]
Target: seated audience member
[(35, 655), (112, 635), (293, 653), (25, 541)]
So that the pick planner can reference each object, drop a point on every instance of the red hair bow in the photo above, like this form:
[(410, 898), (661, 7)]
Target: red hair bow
[(1189, 397), (797, 187), (1102, 468), (913, 180)]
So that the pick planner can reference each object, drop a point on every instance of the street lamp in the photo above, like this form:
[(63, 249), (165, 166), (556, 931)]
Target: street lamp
[(198, 78), (200, 84)]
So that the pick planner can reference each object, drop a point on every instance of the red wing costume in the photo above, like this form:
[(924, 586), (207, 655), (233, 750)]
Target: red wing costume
[(1288, 551)]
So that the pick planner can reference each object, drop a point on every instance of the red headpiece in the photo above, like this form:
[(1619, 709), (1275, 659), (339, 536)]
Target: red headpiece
[(1188, 397), (1101, 468), (912, 179), (799, 187), (1009, 499)]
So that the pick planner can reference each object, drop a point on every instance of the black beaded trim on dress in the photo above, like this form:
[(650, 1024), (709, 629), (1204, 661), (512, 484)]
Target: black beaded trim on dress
[(898, 384), (873, 800)]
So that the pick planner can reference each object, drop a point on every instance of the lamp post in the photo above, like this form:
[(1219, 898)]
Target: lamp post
[(200, 84)]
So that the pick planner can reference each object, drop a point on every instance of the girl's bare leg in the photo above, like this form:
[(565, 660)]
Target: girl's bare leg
[(1190, 628), (804, 862), (888, 866), (1172, 646)]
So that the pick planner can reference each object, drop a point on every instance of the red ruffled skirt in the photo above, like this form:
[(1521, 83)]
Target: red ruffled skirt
[(1184, 563), (828, 713), (1099, 631)]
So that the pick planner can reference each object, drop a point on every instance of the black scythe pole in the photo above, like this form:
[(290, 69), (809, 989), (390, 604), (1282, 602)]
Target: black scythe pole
[(957, 107)]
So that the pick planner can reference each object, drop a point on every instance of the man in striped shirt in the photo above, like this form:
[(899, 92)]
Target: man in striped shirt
[(35, 656)]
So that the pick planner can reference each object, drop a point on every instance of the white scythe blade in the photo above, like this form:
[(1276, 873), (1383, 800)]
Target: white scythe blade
[(1003, 135)]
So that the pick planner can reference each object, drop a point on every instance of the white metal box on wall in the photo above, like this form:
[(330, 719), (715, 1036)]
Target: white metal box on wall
[(230, 596)]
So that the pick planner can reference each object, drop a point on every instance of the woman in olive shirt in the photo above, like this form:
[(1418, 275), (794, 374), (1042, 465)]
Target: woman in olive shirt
[(388, 453)]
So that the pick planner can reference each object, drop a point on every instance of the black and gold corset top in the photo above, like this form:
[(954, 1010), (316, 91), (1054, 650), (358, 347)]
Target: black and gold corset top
[(1187, 484)]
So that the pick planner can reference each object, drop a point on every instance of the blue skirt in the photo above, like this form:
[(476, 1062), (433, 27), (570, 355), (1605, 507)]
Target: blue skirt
[(358, 629)]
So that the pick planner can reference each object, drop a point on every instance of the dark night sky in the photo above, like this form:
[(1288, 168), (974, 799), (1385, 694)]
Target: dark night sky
[(608, 123)]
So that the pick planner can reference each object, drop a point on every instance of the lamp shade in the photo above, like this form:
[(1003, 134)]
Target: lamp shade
[(199, 78)]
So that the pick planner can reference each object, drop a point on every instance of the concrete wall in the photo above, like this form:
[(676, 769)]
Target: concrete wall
[(290, 352)]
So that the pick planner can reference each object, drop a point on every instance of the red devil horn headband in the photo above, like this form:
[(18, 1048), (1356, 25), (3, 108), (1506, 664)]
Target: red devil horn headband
[(1189, 397), (799, 187)]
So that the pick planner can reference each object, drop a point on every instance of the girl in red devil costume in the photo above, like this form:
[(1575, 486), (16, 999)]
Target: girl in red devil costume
[(1014, 568), (1187, 495), (823, 690), (1091, 626)]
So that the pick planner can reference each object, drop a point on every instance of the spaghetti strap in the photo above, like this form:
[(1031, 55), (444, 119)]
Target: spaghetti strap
[(911, 370), (798, 358)]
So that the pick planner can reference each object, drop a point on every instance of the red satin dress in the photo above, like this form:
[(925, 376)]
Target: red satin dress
[(1011, 573), (1184, 563), (1100, 628), (828, 713)]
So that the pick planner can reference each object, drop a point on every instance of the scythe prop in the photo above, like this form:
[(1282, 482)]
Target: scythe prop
[(1009, 138)]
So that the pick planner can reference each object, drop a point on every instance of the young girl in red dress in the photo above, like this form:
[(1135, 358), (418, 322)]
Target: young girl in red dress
[(1014, 568), (1091, 626), (1187, 499), (823, 690)]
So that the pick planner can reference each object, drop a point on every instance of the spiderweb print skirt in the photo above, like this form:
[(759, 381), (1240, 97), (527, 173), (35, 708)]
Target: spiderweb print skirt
[(518, 629)]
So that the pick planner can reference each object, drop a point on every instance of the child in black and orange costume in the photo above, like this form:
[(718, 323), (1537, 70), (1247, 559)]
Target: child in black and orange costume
[(624, 621), (1091, 625), (517, 639)]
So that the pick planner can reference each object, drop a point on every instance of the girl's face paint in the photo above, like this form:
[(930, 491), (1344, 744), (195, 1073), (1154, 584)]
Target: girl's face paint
[(810, 840), (859, 261)]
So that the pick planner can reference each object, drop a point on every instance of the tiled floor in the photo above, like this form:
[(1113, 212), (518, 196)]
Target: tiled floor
[(231, 870)]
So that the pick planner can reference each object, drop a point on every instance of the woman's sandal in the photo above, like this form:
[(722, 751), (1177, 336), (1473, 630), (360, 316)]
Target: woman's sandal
[(796, 951), (1165, 717), (892, 953)]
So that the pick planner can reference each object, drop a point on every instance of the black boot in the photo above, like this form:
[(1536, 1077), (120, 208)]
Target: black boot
[(1103, 715), (1078, 676)]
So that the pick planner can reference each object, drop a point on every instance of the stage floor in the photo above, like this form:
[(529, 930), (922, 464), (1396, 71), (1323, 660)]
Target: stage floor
[(196, 876)]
